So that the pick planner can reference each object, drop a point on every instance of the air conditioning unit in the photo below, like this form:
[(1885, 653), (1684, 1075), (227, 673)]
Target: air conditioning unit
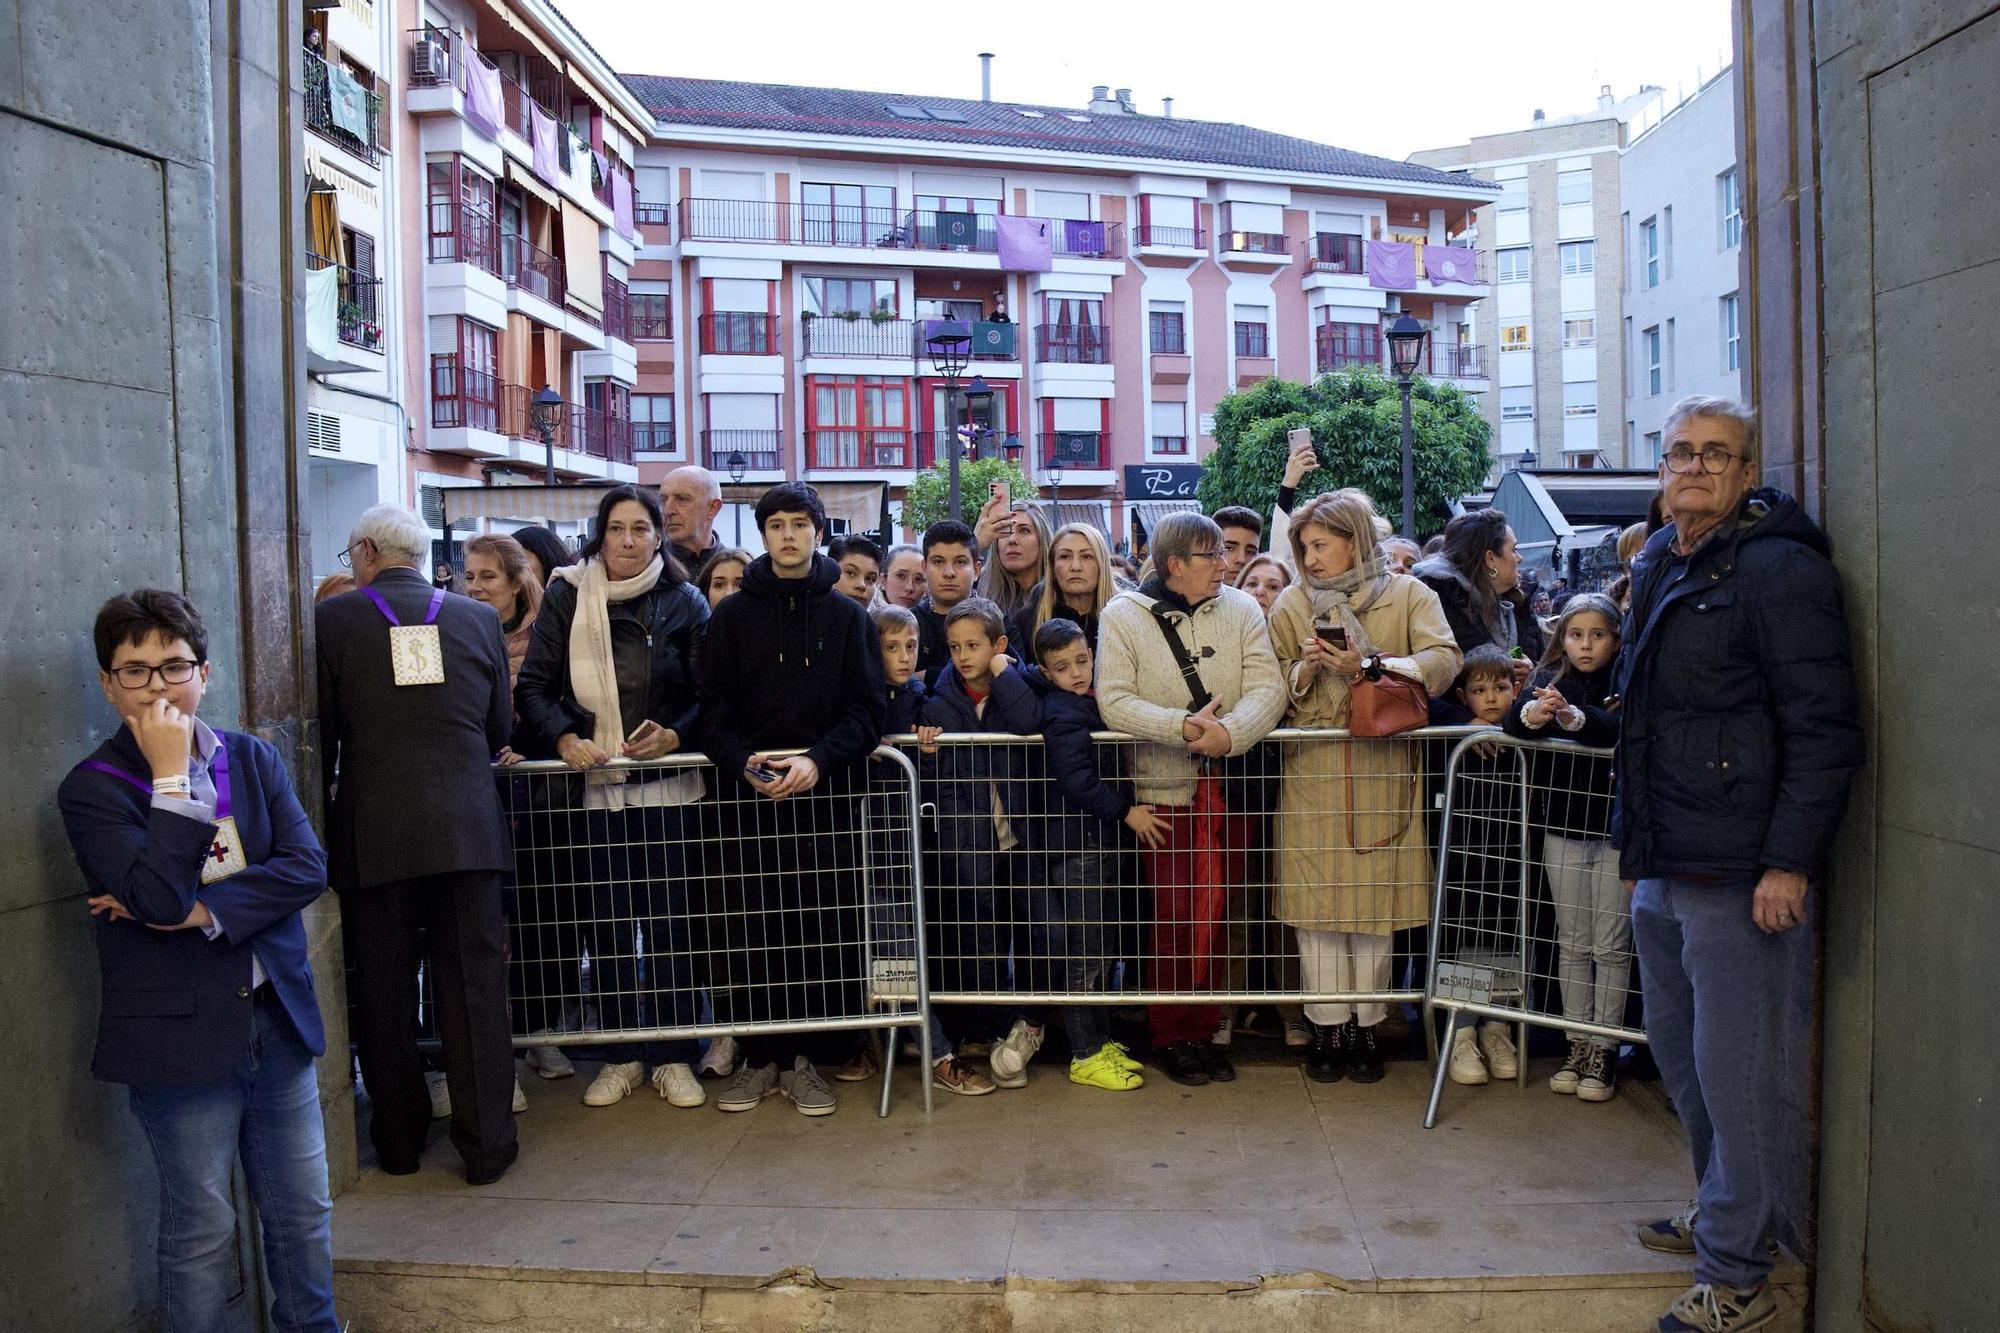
[(431, 58), (890, 456)]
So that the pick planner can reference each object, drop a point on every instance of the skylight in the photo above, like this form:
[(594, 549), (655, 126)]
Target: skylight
[(955, 117), (904, 111), (1081, 120), (1029, 113)]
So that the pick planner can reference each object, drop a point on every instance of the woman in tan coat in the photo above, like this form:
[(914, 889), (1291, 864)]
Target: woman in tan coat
[(1353, 867)]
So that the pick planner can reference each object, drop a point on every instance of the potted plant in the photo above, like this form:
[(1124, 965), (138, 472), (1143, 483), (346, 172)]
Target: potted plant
[(809, 316), (881, 315), (850, 315)]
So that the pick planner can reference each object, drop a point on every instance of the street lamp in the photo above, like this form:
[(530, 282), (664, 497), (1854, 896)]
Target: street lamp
[(1528, 458), (1055, 471), (544, 412), (737, 466), (950, 350), (1406, 349)]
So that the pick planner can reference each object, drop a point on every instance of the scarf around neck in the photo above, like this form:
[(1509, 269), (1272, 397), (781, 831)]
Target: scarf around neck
[(593, 676), (1335, 598)]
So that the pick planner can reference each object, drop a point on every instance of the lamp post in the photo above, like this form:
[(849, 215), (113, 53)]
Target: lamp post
[(1406, 349), (544, 412), (737, 466), (950, 350), (1055, 487)]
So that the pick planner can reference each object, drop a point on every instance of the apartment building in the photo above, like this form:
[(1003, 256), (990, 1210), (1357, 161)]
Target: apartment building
[(1681, 229), (1118, 271), (1552, 242)]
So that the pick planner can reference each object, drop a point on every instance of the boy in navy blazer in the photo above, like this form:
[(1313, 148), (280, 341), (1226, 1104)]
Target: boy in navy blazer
[(199, 861)]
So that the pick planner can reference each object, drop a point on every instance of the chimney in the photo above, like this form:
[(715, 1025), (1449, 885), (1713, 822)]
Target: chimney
[(1125, 102), (1167, 107), (1604, 97), (1540, 115), (985, 76), (1100, 100)]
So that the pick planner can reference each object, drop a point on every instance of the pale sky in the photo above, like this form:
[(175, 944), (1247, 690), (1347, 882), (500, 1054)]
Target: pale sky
[(1379, 77)]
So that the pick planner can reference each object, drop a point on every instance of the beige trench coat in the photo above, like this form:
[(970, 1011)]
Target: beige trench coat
[(1350, 827)]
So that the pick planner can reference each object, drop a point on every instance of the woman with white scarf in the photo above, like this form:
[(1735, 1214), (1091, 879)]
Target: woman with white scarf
[(1353, 866), (610, 674)]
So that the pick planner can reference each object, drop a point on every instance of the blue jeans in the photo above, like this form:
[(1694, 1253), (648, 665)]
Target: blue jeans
[(266, 1115), (1729, 1017)]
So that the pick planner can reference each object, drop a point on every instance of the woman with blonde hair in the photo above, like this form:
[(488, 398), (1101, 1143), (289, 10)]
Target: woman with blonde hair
[(1353, 867), (499, 573), (1077, 588), (1017, 560)]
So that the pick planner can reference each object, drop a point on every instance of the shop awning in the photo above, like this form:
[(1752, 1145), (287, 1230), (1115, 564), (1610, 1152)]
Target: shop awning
[(1146, 514), (525, 504), (1094, 513)]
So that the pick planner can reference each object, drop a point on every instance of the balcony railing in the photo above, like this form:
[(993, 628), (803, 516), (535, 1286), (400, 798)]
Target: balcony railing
[(860, 448), (1339, 350), (1073, 344), (873, 227), (460, 236), (1088, 240), (597, 434), (617, 310), (652, 317), (1459, 360), (653, 436), (653, 215), (534, 270), (739, 333), (1148, 236), (1336, 252), (359, 312), (1256, 243), (437, 58), (464, 399), (761, 449), (1253, 340), (339, 107), (1087, 449), (837, 335)]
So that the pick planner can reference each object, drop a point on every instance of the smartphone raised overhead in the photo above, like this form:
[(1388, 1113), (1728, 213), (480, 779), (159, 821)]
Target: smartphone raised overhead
[(999, 489)]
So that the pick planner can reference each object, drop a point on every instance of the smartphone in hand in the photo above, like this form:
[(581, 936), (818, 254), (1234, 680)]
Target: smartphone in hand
[(1297, 438), (1334, 636), (1000, 490)]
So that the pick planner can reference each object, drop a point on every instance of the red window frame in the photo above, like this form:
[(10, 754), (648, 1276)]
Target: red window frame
[(863, 443), (651, 316)]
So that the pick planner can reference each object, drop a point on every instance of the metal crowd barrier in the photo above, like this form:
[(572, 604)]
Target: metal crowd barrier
[(1534, 927)]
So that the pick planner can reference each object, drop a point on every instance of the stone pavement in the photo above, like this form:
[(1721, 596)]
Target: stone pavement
[(1271, 1202)]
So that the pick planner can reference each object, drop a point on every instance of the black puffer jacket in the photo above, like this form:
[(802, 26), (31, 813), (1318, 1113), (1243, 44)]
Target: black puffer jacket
[(1571, 792), (1454, 592), (1088, 803), (1739, 732), (673, 617)]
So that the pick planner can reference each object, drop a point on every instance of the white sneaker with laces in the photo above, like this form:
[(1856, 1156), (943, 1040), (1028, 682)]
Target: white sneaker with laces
[(1297, 1034), (548, 1061), (440, 1094), (1225, 1031), (678, 1086), (719, 1061), (1011, 1054), (1498, 1048), (1467, 1066), (614, 1083), (520, 1098)]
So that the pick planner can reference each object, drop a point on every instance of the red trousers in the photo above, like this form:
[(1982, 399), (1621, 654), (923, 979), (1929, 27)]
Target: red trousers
[(1191, 874)]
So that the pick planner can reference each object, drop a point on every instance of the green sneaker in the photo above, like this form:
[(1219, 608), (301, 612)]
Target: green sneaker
[(1118, 1053), (1101, 1071)]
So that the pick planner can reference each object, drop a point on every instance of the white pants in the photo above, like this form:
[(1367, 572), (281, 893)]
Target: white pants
[(1593, 931), (1344, 960)]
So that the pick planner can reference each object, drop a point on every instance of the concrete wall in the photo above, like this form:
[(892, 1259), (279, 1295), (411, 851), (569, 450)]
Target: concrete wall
[(1874, 265), (1674, 166), (150, 242)]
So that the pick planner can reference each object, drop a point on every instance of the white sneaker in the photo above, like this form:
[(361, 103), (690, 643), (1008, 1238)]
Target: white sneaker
[(440, 1094), (1297, 1034), (548, 1061), (1225, 1031), (678, 1086), (719, 1061), (1009, 1060), (1498, 1047), (520, 1098), (614, 1083), (1467, 1065)]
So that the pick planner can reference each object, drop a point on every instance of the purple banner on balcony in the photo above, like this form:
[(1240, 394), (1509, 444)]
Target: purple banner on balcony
[(1392, 264), (1083, 238), (1025, 244), (621, 205), (482, 97), (1451, 263), (542, 138)]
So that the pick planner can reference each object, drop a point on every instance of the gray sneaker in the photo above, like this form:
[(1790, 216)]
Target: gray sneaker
[(1714, 1308), (747, 1087), (806, 1088), (1670, 1235)]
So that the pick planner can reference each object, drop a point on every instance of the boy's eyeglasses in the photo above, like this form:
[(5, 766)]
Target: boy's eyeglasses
[(1715, 460), (137, 675)]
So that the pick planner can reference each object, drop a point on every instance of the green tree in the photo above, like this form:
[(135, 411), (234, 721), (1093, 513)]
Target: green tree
[(1357, 427), (928, 499)]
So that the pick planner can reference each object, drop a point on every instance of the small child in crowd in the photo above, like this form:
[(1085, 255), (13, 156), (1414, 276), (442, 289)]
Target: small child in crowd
[(860, 562), (1569, 697)]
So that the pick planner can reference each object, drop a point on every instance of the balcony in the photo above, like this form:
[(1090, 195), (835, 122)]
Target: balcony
[(864, 227), (1149, 237), (595, 433), (465, 399), (1336, 252), (1458, 361), (652, 317), (859, 336), (515, 102), (1077, 450), (857, 449), (359, 318), (738, 333), (1269, 246), (459, 236), (653, 215), (1088, 240), (655, 437), (617, 310), (532, 269), (340, 109), (762, 450), (1073, 345), (1336, 349)]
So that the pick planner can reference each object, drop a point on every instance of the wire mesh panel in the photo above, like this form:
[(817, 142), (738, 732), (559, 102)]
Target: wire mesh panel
[(1534, 926)]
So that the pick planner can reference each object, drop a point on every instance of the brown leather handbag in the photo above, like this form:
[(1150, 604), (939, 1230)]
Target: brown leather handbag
[(1382, 702)]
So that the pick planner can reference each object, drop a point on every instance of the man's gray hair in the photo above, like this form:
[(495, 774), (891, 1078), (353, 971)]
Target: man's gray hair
[(709, 489), (1182, 535), (397, 532), (1701, 405)]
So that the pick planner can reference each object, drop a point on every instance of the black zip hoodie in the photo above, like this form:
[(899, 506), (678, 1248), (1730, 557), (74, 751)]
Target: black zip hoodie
[(791, 664)]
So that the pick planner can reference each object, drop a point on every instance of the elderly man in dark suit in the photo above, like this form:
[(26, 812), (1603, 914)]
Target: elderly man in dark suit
[(413, 706)]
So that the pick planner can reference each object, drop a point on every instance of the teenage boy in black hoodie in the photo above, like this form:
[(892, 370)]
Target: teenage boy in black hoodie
[(792, 663)]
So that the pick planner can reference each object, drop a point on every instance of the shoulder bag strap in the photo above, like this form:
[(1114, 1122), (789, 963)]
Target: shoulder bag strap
[(1197, 691)]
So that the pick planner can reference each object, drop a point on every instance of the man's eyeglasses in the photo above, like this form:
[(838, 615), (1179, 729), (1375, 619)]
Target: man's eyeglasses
[(347, 555), (137, 675), (1715, 459)]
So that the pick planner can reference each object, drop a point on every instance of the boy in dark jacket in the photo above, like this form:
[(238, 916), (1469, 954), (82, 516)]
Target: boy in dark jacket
[(951, 568)]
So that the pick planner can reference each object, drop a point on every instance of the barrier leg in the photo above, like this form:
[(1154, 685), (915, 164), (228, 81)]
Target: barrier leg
[(889, 1044), (1437, 1083)]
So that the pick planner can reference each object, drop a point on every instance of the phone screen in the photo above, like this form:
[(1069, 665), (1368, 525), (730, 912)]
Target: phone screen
[(1333, 634)]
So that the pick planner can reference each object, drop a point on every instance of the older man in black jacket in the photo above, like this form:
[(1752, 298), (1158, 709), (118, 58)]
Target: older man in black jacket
[(413, 706), (1738, 741)]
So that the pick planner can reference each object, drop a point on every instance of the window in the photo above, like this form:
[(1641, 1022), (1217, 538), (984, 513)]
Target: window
[(838, 296), (1732, 350), (1073, 331), (1166, 328), (1514, 264), (1649, 246), (1653, 447), (1578, 256), (1573, 187), (1510, 224), (1253, 331), (461, 215), (1341, 345), (1730, 205), (861, 422), (465, 390), (1580, 332), (1514, 338), (1169, 422), (1651, 348), (846, 214), (653, 422), (652, 316), (1517, 403), (1580, 399)]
